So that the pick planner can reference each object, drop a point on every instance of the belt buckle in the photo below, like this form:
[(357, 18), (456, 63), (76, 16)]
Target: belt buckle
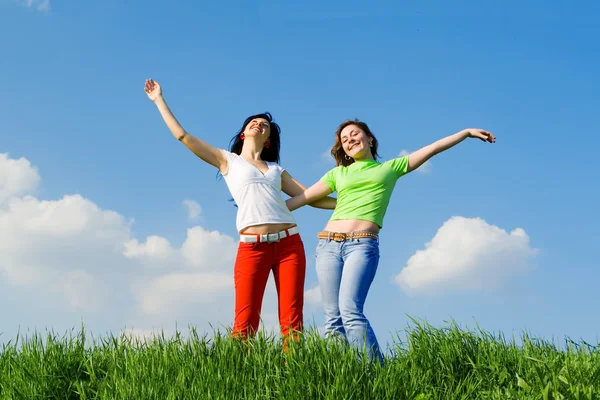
[(340, 236), (272, 237)]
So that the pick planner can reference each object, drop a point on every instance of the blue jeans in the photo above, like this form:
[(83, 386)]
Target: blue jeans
[(345, 270)]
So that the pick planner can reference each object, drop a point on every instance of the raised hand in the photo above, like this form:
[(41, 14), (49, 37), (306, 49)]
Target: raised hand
[(481, 134), (152, 89)]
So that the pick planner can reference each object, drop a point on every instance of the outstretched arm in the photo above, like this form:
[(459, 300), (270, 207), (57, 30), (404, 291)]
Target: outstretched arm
[(314, 193), (293, 188), (200, 148), (419, 157)]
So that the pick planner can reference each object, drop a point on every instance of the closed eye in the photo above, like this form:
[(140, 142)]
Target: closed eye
[(263, 124)]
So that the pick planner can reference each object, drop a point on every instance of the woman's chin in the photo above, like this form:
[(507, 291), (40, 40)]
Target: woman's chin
[(359, 155)]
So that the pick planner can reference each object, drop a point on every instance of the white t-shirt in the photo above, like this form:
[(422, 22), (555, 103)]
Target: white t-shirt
[(257, 195)]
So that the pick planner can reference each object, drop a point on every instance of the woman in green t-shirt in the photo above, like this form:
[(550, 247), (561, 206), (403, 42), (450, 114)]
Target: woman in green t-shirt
[(348, 248)]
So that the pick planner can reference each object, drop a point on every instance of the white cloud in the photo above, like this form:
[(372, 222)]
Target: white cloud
[(313, 295), (41, 240), (193, 208), (16, 177), (467, 254), (73, 258), (40, 5), (203, 271), (166, 293), (81, 291), (208, 249), (426, 167), (140, 335), (72, 248), (156, 248)]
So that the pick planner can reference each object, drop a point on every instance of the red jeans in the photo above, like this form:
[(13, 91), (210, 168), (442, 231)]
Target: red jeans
[(253, 264)]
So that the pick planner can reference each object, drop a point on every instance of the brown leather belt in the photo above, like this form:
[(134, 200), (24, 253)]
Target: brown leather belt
[(341, 236)]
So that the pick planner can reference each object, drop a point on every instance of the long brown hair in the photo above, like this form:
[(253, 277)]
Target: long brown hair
[(337, 151)]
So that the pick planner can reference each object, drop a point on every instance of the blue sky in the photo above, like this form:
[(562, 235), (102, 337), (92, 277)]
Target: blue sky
[(74, 113)]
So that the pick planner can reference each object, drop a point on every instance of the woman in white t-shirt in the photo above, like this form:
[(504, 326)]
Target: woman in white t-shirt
[(269, 238)]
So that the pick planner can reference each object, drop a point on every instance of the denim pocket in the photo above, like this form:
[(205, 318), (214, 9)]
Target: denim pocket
[(322, 243), (369, 246), (368, 242), (320, 246)]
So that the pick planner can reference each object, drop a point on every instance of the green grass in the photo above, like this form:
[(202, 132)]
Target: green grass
[(431, 363)]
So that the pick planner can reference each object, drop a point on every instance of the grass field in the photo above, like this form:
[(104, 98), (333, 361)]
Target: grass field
[(431, 363)]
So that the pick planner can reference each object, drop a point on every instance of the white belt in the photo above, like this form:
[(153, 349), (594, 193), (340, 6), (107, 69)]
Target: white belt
[(268, 237)]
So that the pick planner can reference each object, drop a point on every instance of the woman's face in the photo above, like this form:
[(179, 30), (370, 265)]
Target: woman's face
[(355, 142), (258, 127)]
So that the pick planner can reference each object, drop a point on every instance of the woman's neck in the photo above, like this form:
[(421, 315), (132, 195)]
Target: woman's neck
[(369, 157), (251, 150)]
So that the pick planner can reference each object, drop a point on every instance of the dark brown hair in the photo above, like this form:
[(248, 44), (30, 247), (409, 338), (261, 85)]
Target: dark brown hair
[(337, 151), (267, 154)]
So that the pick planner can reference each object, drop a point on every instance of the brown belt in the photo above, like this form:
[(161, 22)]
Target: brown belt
[(341, 236)]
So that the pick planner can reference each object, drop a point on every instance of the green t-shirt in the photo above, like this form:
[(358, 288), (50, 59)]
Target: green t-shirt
[(364, 188)]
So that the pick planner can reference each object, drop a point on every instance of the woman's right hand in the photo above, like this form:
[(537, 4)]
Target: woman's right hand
[(152, 89), (199, 147)]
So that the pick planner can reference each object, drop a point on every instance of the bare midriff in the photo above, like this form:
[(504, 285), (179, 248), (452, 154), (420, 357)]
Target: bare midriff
[(266, 228), (341, 226), (351, 225)]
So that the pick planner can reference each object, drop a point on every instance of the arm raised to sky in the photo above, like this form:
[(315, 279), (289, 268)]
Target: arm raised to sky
[(203, 150)]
